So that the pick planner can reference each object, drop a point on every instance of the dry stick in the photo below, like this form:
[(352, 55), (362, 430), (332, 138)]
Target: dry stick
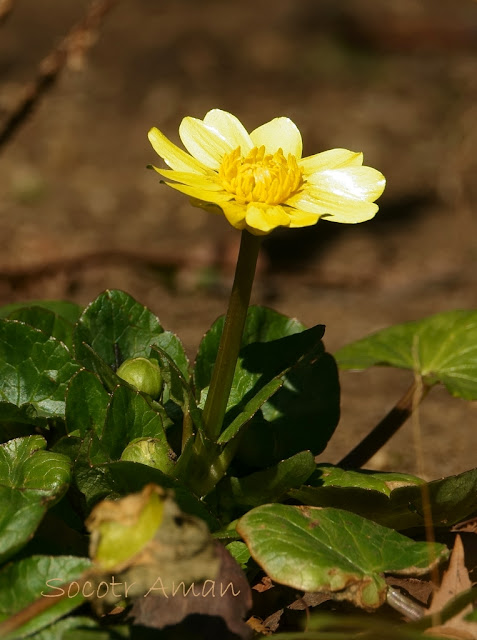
[(385, 429), (76, 42)]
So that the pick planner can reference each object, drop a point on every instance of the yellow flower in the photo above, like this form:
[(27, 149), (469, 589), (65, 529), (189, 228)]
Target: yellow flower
[(259, 180)]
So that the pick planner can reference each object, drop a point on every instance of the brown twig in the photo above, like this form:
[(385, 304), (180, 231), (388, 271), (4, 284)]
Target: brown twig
[(73, 46), (385, 429)]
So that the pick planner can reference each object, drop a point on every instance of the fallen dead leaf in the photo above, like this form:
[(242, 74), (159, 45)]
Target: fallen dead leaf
[(455, 580)]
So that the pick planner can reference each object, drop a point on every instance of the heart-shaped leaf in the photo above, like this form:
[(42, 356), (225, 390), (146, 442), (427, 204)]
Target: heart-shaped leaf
[(301, 412), (269, 485), (332, 550), (34, 369), (86, 404), (399, 506), (30, 579), (116, 327), (441, 348), (31, 480), (130, 416), (120, 478), (47, 321)]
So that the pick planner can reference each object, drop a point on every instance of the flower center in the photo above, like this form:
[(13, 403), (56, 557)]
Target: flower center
[(260, 177)]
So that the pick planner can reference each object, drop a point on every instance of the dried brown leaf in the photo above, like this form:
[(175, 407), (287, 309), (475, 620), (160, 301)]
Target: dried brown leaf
[(455, 580)]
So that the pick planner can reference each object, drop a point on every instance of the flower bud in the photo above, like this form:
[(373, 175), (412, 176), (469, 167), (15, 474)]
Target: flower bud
[(143, 374)]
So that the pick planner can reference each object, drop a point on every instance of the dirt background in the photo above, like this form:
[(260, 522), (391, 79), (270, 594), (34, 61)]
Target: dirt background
[(396, 79)]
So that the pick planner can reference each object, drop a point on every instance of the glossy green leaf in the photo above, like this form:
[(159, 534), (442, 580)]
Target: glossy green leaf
[(172, 346), (332, 550), (239, 552), (69, 311), (34, 369), (116, 327), (31, 480), (130, 416), (249, 410), (262, 325), (86, 404), (177, 385), (442, 348), (383, 481), (76, 628), (269, 485), (47, 321), (30, 579), (120, 478), (451, 499), (302, 414)]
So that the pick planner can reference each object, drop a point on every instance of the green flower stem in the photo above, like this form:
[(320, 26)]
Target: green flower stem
[(229, 347)]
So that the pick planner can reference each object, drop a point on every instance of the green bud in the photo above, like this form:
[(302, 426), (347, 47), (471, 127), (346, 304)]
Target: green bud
[(143, 374)]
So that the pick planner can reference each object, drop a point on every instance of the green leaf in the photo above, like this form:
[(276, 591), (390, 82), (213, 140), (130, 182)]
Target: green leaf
[(249, 410), (130, 416), (332, 550), (86, 404), (239, 552), (304, 410), (120, 478), (116, 327), (31, 481), (170, 344), (441, 348), (450, 499), (268, 485), (383, 481), (29, 579), (47, 321), (69, 311), (34, 369), (262, 325), (177, 385), (75, 628)]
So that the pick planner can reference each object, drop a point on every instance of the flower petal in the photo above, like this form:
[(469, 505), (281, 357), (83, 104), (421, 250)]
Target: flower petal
[(300, 218), (230, 129), (172, 155), (335, 208), (208, 182), (279, 133), (332, 159), (266, 218), (358, 183), (203, 142), (235, 214), (215, 197)]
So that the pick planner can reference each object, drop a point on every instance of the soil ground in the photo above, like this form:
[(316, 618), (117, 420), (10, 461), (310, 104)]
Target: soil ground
[(396, 79)]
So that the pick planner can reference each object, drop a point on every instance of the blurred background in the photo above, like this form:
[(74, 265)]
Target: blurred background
[(396, 79)]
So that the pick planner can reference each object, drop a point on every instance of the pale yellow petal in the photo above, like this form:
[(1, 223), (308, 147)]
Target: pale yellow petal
[(300, 218), (203, 142), (215, 197), (208, 182), (279, 133), (235, 214), (358, 183), (333, 207), (332, 159), (172, 155), (266, 218), (230, 129)]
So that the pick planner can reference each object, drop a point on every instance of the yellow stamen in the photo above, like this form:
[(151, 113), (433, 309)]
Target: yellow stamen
[(259, 177)]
